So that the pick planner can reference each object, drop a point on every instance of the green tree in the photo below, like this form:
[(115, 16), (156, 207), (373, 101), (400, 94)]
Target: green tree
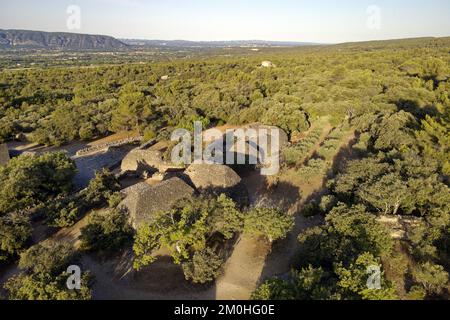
[(106, 231), (348, 232), (44, 275), (62, 212), (133, 111), (357, 172), (186, 229), (28, 181), (146, 241), (432, 277), (203, 267), (101, 188), (274, 289), (388, 194), (226, 218), (435, 141), (289, 117), (312, 284), (353, 280), (15, 231), (270, 223)]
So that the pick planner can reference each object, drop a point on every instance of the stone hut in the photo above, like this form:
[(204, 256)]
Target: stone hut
[(267, 64), (4, 154), (217, 179), (143, 201), (139, 161)]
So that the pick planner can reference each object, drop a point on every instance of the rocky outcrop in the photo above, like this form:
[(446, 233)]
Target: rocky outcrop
[(143, 201), (206, 176)]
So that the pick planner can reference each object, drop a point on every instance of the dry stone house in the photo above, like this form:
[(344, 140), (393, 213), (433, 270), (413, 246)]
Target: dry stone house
[(217, 179), (143, 201), (139, 161)]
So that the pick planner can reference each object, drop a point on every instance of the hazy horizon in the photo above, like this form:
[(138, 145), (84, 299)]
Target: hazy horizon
[(324, 21)]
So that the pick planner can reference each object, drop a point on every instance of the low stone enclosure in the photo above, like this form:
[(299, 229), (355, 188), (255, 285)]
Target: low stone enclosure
[(106, 146)]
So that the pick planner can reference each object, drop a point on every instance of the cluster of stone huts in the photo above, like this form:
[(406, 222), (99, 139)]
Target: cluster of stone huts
[(143, 200), (176, 182)]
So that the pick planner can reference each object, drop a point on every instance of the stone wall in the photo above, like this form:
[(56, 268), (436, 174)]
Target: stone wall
[(106, 146)]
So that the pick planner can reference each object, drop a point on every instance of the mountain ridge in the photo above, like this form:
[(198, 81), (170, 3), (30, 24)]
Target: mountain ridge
[(15, 38)]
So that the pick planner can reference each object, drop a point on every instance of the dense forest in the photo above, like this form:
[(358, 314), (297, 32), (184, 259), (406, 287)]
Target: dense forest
[(394, 95)]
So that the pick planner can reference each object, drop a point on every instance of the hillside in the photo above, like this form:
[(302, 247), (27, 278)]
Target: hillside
[(57, 40)]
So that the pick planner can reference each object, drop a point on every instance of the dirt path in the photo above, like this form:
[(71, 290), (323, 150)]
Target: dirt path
[(243, 269)]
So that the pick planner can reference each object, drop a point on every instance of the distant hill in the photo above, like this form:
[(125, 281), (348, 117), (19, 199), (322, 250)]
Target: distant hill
[(212, 44), (58, 40), (75, 41)]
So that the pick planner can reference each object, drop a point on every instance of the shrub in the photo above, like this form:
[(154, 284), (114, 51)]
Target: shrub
[(274, 289), (295, 155), (314, 168), (107, 231), (203, 267), (62, 213), (187, 228)]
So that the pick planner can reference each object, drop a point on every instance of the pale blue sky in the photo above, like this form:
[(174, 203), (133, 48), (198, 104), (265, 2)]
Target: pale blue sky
[(326, 21)]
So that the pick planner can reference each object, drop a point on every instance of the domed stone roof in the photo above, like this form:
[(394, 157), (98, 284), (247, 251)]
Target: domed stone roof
[(144, 201), (217, 179)]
